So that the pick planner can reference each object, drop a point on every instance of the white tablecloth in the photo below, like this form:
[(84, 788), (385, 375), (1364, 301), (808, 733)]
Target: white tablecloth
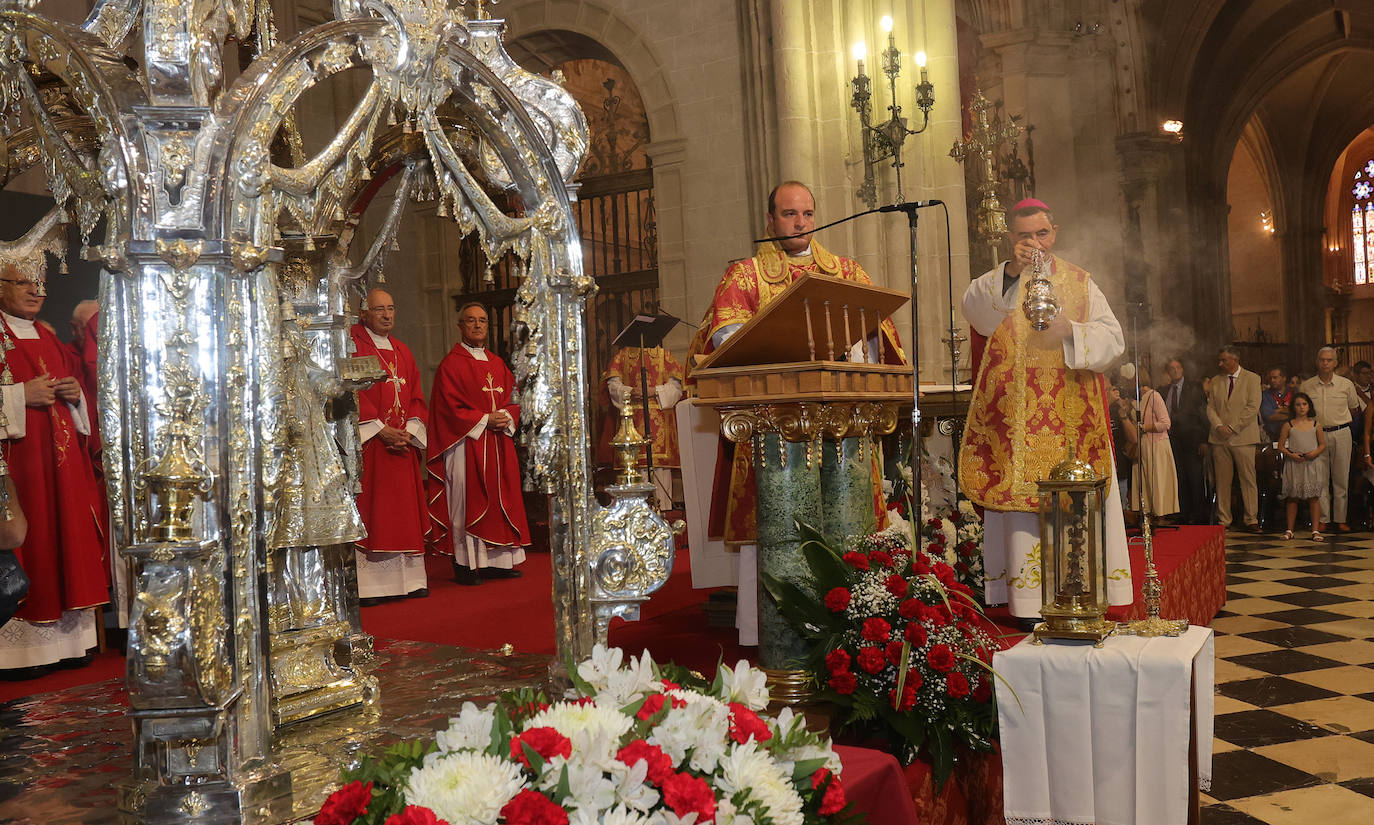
[(1100, 735)]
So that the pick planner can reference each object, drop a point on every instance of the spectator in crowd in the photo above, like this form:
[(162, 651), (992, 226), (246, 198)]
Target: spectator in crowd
[(1125, 437), (1274, 403), (1233, 411), (1185, 402), (1153, 480), (1335, 400)]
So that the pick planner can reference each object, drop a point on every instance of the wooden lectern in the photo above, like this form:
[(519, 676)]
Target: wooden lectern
[(812, 422)]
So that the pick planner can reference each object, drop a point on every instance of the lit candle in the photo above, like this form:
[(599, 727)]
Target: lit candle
[(921, 61), (860, 52)]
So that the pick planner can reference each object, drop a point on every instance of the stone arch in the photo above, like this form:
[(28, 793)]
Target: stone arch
[(605, 25), (1295, 68)]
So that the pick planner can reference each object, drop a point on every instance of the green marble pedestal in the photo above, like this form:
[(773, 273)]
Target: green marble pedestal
[(812, 463)]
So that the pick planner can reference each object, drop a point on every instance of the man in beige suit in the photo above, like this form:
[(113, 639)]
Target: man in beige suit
[(1232, 409)]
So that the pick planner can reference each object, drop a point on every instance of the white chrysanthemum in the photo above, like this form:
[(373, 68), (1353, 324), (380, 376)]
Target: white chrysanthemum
[(604, 661), (585, 724), (746, 768), (667, 817), (469, 730), (745, 684), (465, 788)]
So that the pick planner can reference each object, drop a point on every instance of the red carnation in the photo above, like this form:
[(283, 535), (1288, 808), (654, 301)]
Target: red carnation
[(961, 568), (346, 804), (983, 692), (956, 685), (416, 815), (660, 763), (834, 800), (935, 615), (909, 608), (856, 560), (896, 585), (533, 808), (915, 634), (837, 661), (934, 521), (843, 683), (914, 680), (746, 725), (908, 698), (894, 653), (687, 794), (919, 566), (966, 548), (837, 599), (881, 557), (667, 685), (876, 629), (941, 658), (547, 742), (945, 574), (653, 703), (871, 659)]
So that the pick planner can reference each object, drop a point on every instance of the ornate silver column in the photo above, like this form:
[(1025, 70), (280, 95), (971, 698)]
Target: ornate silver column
[(191, 180)]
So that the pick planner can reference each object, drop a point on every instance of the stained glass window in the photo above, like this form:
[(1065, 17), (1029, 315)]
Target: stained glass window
[(1368, 242), (1357, 243)]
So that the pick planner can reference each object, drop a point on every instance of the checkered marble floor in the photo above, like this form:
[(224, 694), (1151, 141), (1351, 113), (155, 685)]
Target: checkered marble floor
[(1295, 684)]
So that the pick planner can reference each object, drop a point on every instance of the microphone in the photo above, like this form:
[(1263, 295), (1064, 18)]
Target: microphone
[(909, 205)]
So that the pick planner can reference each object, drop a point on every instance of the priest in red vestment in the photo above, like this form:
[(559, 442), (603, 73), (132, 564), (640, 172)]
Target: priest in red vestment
[(391, 427), (473, 483), (748, 286), (64, 552)]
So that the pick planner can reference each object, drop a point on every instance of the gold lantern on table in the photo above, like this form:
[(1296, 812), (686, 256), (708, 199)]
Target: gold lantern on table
[(1073, 516)]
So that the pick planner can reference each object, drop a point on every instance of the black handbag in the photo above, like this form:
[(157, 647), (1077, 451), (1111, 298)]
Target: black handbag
[(14, 586)]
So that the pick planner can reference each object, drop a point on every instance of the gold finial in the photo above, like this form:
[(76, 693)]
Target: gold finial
[(628, 441)]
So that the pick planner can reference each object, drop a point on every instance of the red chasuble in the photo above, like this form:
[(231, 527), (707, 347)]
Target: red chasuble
[(64, 553), (748, 286), (392, 502), (466, 389)]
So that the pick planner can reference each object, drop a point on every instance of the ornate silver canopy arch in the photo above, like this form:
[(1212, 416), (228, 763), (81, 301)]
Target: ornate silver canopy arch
[(219, 330)]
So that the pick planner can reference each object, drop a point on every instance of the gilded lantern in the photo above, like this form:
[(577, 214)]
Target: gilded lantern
[(1073, 517)]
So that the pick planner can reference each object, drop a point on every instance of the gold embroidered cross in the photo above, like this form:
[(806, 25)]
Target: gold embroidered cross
[(491, 389)]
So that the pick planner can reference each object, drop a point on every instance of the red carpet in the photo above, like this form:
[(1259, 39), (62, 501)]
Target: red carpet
[(1191, 561), (516, 611)]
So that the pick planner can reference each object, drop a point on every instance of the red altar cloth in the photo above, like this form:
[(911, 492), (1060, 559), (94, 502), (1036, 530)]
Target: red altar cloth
[(873, 780), (1191, 561)]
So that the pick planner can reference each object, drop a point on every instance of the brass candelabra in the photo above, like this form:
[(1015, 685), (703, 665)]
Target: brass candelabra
[(885, 140)]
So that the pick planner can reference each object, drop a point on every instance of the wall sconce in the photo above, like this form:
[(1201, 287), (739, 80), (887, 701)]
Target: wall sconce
[(885, 140), (1267, 221)]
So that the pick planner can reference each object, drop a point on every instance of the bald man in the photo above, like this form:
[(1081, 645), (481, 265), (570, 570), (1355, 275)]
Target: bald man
[(391, 426)]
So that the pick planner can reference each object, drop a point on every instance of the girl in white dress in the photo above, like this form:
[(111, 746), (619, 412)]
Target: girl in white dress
[(1303, 445)]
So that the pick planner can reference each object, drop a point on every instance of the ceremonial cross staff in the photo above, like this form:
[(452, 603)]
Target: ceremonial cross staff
[(981, 148)]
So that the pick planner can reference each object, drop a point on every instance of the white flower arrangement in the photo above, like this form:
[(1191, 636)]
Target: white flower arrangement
[(633, 744)]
